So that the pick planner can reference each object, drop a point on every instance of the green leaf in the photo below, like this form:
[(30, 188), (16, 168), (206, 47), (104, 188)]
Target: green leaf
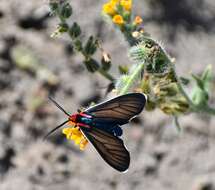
[(90, 46), (207, 78), (199, 95), (66, 10), (92, 65), (75, 30), (78, 45), (199, 82), (53, 7)]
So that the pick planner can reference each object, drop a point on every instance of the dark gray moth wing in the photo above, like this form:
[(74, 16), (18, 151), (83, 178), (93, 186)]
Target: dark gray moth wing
[(119, 110), (110, 147)]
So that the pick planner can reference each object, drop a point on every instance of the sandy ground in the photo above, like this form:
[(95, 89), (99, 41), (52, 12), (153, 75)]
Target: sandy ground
[(161, 158)]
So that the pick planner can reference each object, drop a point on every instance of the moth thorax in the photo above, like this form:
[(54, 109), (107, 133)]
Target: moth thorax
[(73, 118)]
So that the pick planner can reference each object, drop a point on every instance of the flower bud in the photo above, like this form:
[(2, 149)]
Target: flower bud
[(123, 69), (106, 61), (175, 106), (155, 58)]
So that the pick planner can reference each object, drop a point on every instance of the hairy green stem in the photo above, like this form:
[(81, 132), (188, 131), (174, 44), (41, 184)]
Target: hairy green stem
[(132, 77), (180, 86)]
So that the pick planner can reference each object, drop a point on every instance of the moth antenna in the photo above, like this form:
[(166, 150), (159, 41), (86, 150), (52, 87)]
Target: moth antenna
[(60, 107), (53, 130)]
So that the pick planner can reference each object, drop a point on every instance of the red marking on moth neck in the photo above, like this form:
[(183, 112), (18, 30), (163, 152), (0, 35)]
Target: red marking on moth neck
[(73, 118)]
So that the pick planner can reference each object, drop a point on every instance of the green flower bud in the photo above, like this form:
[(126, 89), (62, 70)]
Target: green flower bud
[(175, 106), (123, 69), (155, 58)]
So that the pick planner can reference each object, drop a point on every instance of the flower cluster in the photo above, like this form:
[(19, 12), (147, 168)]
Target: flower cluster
[(160, 82), (120, 13), (74, 133)]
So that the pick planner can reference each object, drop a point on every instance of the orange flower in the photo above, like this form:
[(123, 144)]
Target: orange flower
[(117, 19), (138, 20)]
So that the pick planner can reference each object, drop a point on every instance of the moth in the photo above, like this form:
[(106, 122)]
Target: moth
[(101, 125)]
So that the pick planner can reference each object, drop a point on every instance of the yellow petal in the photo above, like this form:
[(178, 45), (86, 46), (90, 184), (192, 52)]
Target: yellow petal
[(77, 141), (127, 4), (114, 1), (109, 8), (75, 135), (67, 132)]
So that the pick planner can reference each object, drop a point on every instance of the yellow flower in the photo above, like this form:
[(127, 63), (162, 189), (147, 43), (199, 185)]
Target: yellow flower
[(114, 1), (126, 4), (75, 135), (109, 8), (138, 20), (67, 132), (117, 19)]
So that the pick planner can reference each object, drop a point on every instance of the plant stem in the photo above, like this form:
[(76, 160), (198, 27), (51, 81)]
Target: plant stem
[(177, 124), (132, 78), (180, 86), (101, 71), (106, 75), (208, 110)]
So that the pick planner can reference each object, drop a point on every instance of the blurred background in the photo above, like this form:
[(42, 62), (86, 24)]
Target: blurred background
[(33, 65)]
